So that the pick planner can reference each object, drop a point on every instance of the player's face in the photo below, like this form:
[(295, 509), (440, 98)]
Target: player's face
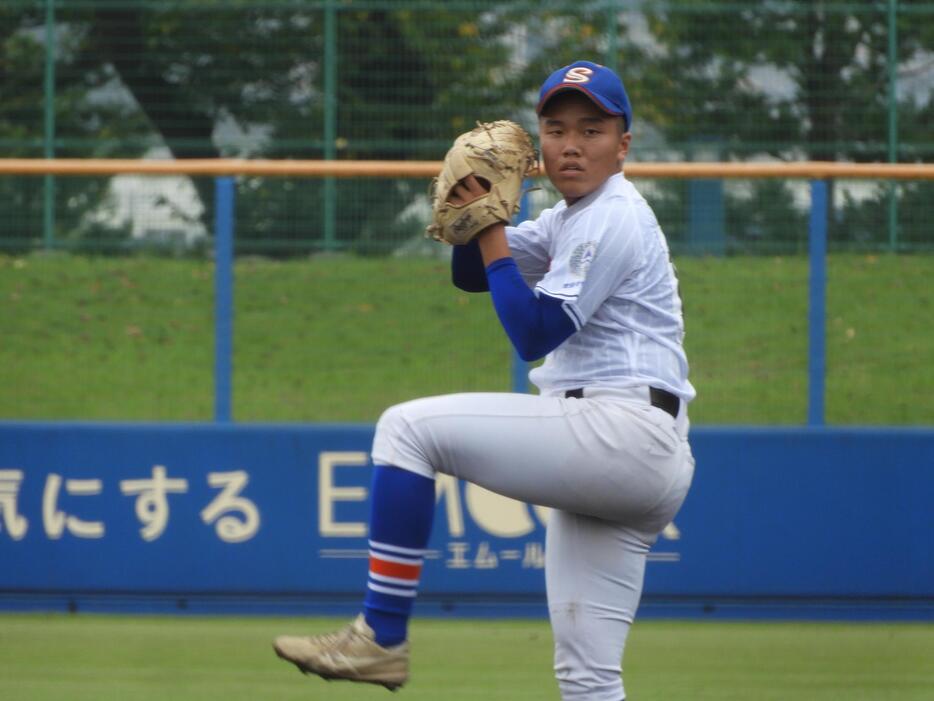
[(582, 145)]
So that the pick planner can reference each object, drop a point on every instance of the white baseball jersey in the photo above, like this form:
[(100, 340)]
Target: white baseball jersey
[(614, 468), (607, 258)]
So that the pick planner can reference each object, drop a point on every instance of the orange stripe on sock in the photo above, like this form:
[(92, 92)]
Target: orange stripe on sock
[(394, 569)]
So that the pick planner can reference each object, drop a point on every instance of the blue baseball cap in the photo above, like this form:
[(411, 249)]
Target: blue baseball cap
[(597, 82)]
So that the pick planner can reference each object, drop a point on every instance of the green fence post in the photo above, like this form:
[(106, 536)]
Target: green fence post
[(48, 201), (330, 122), (892, 61), (612, 36)]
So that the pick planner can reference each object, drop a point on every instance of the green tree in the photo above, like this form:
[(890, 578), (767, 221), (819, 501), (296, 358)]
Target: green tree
[(784, 78), (245, 78), (790, 80), (82, 118)]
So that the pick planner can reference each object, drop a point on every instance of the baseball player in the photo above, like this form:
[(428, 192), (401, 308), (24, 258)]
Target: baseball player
[(590, 287)]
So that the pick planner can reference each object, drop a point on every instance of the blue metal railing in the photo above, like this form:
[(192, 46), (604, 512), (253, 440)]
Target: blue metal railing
[(224, 246), (817, 251), (520, 368), (223, 298)]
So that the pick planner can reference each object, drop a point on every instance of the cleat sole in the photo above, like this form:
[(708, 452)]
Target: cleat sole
[(310, 671)]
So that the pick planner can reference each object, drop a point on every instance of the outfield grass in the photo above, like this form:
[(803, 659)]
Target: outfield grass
[(94, 658), (341, 338)]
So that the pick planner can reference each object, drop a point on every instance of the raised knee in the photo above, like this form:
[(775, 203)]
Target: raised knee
[(396, 443), (391, 423)]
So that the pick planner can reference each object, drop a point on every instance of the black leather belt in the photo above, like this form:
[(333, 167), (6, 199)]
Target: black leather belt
[(664, 400)]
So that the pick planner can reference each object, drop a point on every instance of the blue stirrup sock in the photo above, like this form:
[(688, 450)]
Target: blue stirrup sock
[(402, 506)]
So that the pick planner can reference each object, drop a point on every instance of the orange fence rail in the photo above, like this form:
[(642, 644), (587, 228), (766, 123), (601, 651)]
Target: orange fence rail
[(815, 170)]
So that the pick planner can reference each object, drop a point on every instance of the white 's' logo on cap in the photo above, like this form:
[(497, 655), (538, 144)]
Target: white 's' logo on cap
[(578, 74)]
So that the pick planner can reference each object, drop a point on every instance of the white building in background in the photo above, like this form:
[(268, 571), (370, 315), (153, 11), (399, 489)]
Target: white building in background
[(164, 211)]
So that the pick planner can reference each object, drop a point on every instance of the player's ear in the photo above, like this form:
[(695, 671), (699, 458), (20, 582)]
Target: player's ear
[(624, 140)]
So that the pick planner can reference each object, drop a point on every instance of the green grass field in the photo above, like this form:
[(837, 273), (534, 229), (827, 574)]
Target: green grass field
[(341, 338), (335, 339), (96, 658)]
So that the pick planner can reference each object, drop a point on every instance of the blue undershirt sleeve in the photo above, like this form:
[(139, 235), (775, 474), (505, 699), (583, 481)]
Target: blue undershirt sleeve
[(467, 271), (535, 325)]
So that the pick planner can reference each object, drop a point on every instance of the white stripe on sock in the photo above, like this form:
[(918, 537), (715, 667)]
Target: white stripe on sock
[(417, 552), (390, 591), (394, 580)]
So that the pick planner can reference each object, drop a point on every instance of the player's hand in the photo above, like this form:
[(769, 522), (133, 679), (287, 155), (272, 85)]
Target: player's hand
[(480, 182), (467, 190)]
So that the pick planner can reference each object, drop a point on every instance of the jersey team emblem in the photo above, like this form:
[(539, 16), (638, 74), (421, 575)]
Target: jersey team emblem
[(582, 257)]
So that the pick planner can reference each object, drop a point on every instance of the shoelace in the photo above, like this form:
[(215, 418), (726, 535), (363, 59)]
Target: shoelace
[(332, 639)]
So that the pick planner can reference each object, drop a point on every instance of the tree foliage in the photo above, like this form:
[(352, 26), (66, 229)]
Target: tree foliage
[(792, 79), (780, 78)]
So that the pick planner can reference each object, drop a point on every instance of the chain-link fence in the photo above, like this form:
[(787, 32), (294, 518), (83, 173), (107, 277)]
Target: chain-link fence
[(372, 79), (334, 337), (342, 307)]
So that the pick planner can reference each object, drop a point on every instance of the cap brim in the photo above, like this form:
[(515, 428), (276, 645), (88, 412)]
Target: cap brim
[(596, 99)]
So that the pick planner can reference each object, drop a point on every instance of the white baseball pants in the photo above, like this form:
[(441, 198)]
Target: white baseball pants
[(614, 468)]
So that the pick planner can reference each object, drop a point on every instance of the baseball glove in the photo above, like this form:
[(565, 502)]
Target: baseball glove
[(500, 155)]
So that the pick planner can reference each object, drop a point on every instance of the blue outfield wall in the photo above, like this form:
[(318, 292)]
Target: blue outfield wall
[(812, 522)]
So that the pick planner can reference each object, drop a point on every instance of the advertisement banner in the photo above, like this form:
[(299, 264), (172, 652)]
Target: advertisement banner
[(266, 510)]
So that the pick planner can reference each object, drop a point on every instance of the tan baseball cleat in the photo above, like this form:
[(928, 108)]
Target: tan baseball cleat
[(350, 653)]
